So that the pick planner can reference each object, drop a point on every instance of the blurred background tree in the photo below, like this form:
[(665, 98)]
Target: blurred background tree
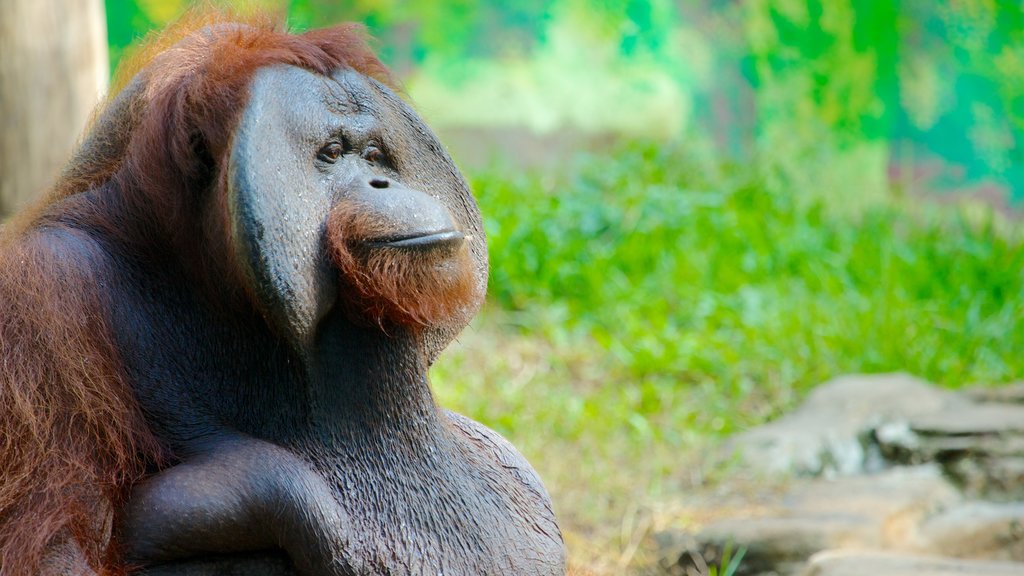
[(53, 71)]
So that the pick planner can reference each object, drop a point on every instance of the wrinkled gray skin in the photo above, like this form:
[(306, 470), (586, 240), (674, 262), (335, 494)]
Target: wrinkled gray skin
[(311, 444)]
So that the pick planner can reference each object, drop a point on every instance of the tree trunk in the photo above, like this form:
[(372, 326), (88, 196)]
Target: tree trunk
[(53, 71)]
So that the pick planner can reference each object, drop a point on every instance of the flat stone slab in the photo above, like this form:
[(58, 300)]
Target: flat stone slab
[(880, 510), (971, 420), (829, 433), (783, 545), (882, 496), (865, 563), (980, 445), (977, 529), (1012, 393)]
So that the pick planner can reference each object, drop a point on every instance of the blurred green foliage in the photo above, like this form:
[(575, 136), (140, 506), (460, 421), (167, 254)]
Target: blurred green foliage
[(645, 305), (690, 276), (847, 97)]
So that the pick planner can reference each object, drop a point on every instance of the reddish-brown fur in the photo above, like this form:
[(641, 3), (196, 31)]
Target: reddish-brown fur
[(72, 439), (396, 286)]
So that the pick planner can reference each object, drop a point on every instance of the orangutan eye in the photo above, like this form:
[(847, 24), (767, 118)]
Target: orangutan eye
[(331, 152), (374, 155)]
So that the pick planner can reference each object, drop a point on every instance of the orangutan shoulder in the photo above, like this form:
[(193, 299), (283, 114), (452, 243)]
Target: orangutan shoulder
[(500, 451)]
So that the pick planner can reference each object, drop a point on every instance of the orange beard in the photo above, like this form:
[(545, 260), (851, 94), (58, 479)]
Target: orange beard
[(396, 286)]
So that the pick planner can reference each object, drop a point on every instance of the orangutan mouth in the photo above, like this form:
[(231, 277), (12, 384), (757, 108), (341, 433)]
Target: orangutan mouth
[(447, 239)]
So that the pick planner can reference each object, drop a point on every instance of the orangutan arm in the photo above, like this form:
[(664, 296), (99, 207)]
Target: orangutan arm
[(240, 495)]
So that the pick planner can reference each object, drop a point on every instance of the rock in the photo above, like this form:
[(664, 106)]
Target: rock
[(981, 446), (832, 432), (970, 420), (781, 545), (1005, 478), (917, 489), (977, 529), (993, 478), (1005, 394), (913, 480), (875, 563), (864, 511), (674, 549)]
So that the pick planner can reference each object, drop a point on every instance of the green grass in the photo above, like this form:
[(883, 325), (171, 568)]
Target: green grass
[(642, 305)]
